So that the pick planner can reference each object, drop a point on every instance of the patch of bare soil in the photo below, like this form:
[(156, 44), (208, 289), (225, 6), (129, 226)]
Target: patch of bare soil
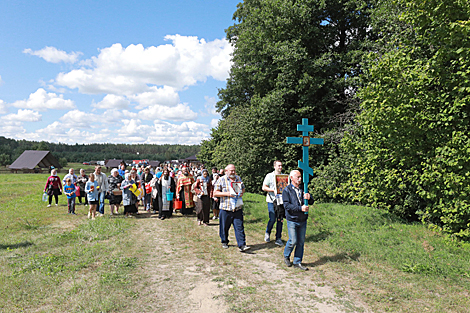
[(190, 274)]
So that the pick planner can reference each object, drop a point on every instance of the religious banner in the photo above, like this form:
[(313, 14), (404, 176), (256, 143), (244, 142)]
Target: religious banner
[(235, 190), (281, 182)]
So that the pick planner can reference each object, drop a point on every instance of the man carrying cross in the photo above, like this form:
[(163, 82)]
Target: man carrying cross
[(296, 200), (293, 197)]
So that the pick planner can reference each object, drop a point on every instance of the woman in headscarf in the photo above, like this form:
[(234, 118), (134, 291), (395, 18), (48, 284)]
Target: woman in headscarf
[(128, 198), (114, 191), (203, 190), (165, 184), (81, 181), (53, 187)]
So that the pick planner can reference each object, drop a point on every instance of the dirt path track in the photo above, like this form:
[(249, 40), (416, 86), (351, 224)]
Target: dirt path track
[(186, 270)]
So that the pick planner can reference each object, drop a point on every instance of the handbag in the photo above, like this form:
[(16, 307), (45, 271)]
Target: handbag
[(278, 209), (148, 188)]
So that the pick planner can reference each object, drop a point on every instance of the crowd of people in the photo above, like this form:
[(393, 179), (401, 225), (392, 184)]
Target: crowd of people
[(189, 189)]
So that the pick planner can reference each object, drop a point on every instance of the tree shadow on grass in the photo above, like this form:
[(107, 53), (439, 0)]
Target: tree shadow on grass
[(339, 257), (16, 245), (320, 236), (261, 246)]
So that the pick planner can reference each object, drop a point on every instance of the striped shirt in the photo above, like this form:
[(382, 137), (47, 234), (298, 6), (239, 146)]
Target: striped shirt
[(223, 185)]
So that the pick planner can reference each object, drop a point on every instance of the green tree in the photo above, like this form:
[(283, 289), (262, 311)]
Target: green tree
[(413, 150), (63, 162), (292, 60), (4, 159), (43, 146)]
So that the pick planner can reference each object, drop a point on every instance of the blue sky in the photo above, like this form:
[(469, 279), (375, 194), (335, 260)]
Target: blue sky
[(112, 71)]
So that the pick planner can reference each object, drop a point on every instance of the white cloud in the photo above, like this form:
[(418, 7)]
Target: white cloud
[(42, 101), (112, 102), (61, 132), (3, 107), (128, 130), (187, 133), (24, 116), (12, 131), (181, 112), (1, 81), (133, 131), (210, 107), (75, 135), (131, 70), (11, 128), (166, 96), (114, 115), (79, 119), (214, 122), (53, 55)]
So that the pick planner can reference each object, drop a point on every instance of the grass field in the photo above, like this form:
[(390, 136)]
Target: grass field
[(55, 262)]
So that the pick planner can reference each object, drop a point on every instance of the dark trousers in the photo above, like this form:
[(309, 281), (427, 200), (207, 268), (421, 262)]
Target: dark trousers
[(71, 204), (272, 221), (82, 194), (226, 219), (56, 197)]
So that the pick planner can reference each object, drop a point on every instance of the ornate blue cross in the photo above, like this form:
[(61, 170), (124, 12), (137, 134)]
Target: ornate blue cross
[(305, 141)]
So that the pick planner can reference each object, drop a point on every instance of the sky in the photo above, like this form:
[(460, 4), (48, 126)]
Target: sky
[(112, 71)]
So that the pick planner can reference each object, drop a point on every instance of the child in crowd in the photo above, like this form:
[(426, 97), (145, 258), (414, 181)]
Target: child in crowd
[(70, 190), (91, 189)]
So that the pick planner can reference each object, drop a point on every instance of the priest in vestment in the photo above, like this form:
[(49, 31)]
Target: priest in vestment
[(183, 191)]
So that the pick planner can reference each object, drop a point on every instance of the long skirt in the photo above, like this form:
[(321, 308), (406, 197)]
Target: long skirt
[(184, 209), (155, 204), (203, 208), (165, 213), (130, 208), (115, 199)]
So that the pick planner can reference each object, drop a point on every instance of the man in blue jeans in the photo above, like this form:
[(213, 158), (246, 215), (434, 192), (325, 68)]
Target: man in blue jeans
[(229, 188), (103, 186), (296, 217), (269, 185)]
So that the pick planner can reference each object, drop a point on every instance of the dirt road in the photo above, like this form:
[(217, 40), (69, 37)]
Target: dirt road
[(185, 269)]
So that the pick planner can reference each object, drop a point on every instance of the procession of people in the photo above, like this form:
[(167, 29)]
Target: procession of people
[(186, 188)]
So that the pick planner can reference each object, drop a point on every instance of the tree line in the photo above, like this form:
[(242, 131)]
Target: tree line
[(385, 83), (10, 149)]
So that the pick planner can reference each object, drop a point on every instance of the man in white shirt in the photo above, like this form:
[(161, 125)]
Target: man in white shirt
[(102, 181), (269, 185)]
